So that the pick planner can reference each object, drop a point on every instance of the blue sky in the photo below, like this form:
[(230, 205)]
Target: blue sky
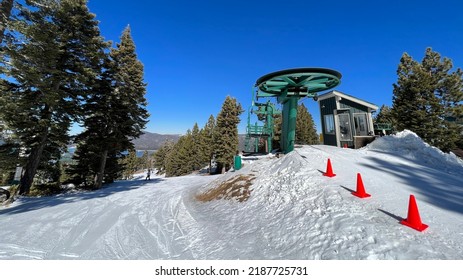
[(196, 53)]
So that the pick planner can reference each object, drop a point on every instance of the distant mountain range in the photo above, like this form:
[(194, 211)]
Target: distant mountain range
[(153, 141)]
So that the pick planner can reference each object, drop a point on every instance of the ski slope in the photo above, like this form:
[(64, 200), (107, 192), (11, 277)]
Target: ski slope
[(293, 211)]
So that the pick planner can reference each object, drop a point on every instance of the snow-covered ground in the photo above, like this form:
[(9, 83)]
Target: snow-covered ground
[(293, 211)]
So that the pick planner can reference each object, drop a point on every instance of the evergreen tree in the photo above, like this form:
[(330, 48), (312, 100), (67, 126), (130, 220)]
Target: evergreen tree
[(145, 161), (130, 163), (226, 133), (52, 62), (161, 156), (94, 143), (193, 151), (306, 133), (9, 159), (385, 116), (81, 171), (408, 105), (5, 11), (277, 126), (116, 111), (179, 161), (196, 160), (114, 166), (128, 107), (6, 149), (425, 95), (452, 95), (207, 142)]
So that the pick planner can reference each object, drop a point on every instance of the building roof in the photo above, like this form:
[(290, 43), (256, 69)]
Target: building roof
[(348, 97)]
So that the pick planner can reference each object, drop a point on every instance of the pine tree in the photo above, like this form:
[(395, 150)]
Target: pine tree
[(145, 161), (452, 99), (196, 161), (226, 133), (408, 105), (81, 171), (130, 163), (94, 143), (128, 105), (385, 116), (6, 149), (114, 166), (425, 95), (306, 133), (116, 111), (52, 62), (9, 159), (452, 94), (161, 156), (277, 126), (6, 7), (180, 160), (207, 142)]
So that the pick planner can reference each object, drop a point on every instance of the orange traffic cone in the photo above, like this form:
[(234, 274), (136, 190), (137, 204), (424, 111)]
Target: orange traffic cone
[(360, 188), (329, 170), (413, 219)]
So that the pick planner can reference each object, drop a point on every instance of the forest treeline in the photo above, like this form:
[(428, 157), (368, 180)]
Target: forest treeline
[(428, 100), (56, 70), (214, 146)]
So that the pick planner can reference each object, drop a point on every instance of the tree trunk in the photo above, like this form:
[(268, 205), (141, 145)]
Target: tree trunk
[(99, 176), (210, 165), (32, 164), (5, 12), (33, 160)]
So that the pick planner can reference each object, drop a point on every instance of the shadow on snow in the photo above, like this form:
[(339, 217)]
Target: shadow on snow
[(440, 187), (34, 203)]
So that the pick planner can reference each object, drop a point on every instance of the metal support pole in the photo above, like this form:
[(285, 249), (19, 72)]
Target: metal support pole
[(288, 133), (269, 144), (269, 123)]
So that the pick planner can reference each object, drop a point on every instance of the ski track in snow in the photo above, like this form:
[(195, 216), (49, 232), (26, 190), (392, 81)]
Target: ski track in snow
[(293, 213), (113, 227)]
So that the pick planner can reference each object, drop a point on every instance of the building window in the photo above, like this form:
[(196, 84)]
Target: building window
[(329, 124), (345, 127), (361, 124)]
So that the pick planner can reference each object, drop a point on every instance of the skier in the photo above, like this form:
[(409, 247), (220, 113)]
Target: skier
[(148, 174)]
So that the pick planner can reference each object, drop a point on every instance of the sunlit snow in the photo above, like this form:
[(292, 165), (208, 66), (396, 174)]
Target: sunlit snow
[(293, 211)]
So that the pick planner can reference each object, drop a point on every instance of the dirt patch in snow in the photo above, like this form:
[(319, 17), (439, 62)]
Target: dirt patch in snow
[(236, 188)]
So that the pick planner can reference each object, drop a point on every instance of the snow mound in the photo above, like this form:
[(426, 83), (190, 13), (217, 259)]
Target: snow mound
[(291, 211), (409, 145)]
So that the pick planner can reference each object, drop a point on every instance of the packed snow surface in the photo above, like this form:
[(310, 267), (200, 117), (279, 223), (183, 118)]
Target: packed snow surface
[(293, 211)]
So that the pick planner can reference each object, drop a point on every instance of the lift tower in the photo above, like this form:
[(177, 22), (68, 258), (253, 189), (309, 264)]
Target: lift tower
[(288, 86)]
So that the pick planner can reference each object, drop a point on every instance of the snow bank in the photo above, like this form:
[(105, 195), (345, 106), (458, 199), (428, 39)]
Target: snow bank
[(296, 213), (409, 145), (293, 212)]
